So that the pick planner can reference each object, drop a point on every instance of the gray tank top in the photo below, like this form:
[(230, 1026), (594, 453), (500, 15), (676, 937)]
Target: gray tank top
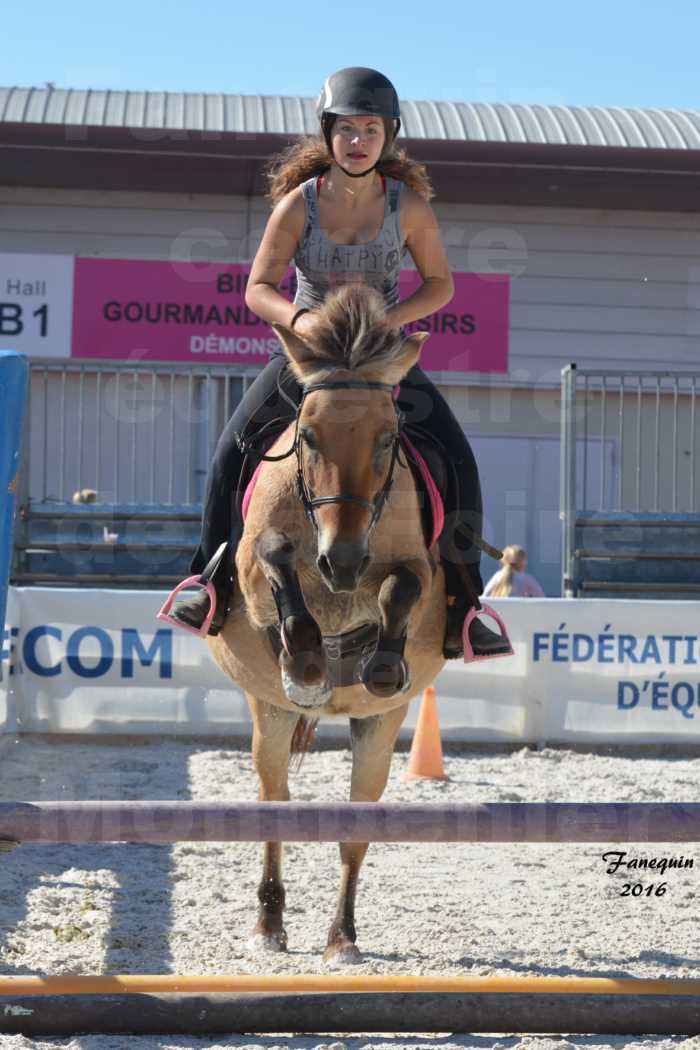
[(322, 265)]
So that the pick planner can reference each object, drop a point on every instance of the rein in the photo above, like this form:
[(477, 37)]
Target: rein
[(309, 502)]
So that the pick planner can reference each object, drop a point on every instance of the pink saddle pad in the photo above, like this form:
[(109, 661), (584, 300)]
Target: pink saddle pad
[(436, 505), (250, 487)]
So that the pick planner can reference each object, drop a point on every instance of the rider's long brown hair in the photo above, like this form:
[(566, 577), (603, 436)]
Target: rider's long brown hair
[(309, 156)]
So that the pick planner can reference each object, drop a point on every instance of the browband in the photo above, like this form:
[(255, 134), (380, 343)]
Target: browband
[(346, 384)]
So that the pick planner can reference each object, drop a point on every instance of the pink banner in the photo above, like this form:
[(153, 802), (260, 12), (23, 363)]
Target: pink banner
[(130, 309), (470, 334)]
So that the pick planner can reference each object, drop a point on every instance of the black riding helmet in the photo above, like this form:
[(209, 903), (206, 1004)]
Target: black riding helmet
[(354, 91)]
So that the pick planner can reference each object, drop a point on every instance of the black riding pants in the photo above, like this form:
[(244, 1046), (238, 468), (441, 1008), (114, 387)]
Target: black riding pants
[(422, 405)]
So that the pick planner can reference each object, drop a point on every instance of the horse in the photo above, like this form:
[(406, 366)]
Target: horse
[(340, 605)]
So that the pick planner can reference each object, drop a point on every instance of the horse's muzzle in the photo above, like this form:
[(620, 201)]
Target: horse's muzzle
[(343, 565)]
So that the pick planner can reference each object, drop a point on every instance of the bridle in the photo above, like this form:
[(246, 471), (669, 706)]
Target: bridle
[(375, 505), (308, 501)]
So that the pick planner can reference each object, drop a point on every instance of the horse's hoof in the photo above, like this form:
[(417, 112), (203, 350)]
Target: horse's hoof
[(306, 696), (266, 943), (307, 668), (385, 675), (342, 953)]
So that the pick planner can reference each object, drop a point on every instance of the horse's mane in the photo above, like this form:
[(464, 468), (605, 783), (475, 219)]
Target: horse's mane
[(352, 332)]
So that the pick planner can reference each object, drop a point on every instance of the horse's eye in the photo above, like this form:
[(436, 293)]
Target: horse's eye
[(309, 438), (386, 441)]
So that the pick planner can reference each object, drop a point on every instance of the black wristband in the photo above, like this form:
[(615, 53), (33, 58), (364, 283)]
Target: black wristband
[(297, 315)]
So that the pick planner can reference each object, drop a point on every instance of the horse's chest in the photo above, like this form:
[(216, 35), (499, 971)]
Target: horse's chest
[(336, 613)]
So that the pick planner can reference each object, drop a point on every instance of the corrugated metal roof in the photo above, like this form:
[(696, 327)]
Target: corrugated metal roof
[(291, 115)]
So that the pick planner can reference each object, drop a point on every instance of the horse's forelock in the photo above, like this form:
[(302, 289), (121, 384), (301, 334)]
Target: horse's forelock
[(352, 332)]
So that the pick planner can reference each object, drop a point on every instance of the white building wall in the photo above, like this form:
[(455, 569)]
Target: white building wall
[(601, 288)]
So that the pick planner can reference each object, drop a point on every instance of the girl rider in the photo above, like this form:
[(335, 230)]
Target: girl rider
[(347, 207)]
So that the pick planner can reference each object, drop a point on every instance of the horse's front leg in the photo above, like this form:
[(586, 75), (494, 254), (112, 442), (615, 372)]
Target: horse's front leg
[(273, 729), (303, 658), (386, 673), (372, 742)]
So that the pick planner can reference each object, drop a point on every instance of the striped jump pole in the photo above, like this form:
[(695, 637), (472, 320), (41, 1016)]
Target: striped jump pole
[(348, 822), (169, 1005)]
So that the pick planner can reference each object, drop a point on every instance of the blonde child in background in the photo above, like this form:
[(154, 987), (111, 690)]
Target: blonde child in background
[(512, 581)]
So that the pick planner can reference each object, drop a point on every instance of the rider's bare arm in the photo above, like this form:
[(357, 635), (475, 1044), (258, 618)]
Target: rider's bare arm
[(277, 247), (423, 241)]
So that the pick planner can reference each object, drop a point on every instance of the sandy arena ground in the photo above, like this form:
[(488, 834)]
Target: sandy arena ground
[(422, 909)]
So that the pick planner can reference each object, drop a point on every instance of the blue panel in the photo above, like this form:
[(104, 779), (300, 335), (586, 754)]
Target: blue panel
[(13, 395)]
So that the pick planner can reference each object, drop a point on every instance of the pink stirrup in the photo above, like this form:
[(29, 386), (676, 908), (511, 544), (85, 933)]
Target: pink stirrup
[(191, 581), (469, 656)]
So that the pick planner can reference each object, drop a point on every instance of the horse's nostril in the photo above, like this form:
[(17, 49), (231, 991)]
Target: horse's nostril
[(324, 567), (342, 566)]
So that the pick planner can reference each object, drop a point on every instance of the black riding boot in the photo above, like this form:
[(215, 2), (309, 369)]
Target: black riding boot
[(424, 407), (262, 405), (484, 641), (463, 585), (193, 610)]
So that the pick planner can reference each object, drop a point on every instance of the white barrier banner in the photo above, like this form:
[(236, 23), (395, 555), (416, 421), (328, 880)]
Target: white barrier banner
[(9, 680), (88, 661)]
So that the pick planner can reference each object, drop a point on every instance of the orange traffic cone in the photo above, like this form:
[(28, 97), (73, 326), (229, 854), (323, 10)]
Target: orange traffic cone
[(425, 759)]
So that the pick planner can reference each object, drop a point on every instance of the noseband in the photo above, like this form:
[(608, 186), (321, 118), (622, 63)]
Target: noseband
[(310, 503)]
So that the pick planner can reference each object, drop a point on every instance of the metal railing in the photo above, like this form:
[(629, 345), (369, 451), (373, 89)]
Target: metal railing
[(630, 452), (143, 433), (141, 436)]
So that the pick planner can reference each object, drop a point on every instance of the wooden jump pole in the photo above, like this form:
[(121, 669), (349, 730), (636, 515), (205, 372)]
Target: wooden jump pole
[(514, 1011), (603, 822), (112, 984)]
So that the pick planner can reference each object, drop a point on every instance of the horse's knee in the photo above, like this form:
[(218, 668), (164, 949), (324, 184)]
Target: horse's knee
[(301, 634), (399, 593), (274, 547)]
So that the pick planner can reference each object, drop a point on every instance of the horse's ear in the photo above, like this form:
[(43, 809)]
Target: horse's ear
[(299, 354), (406, 358)]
